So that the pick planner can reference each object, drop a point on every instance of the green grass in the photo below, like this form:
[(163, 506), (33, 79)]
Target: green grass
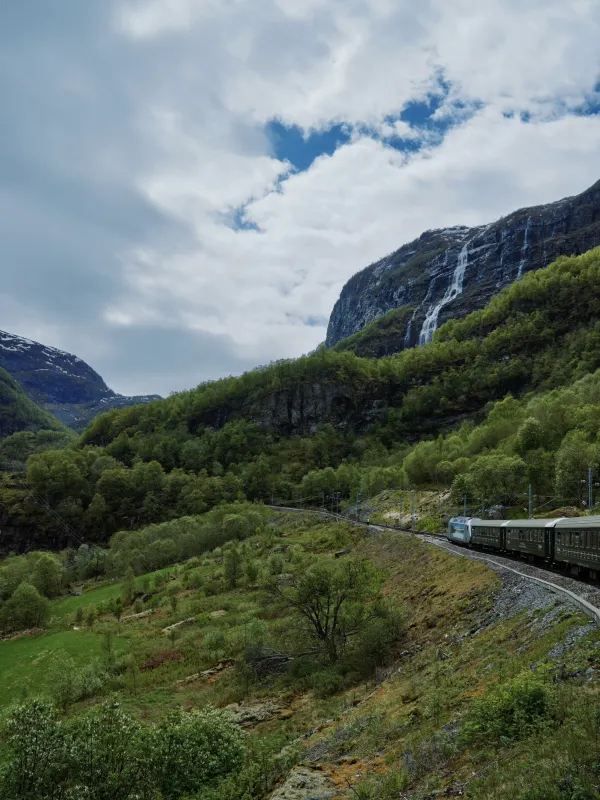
[(25, 663), (67, 606)]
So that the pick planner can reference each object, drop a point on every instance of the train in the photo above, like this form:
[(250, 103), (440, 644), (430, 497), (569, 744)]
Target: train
[(572, 543)]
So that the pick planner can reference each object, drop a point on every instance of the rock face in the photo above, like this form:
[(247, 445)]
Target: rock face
[(302, 407), (60, 382), (448, 273)]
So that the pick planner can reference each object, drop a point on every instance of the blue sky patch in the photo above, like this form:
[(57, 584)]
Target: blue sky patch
[(291, 144)]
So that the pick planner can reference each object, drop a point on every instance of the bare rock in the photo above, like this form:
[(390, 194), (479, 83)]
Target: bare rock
[(305, 784)]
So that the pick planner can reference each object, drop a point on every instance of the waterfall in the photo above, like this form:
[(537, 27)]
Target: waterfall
[(408, 333), (455, 288), (524, 248)]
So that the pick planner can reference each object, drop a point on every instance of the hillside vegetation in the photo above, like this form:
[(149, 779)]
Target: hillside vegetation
[(18, 412), (335, 426), (442, 682), (541, 331)]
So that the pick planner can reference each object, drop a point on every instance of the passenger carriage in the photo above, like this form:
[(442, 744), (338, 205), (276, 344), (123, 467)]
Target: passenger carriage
[(531, 537), (572, 542), (577, 543)]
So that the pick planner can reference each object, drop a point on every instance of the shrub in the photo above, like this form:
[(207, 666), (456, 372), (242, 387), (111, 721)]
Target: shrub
[(508, 711), (105, 754), (26, 608), (327, 682)]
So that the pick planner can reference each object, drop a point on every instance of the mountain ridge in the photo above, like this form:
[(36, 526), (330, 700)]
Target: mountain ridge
[(60, 382), (448, 272)]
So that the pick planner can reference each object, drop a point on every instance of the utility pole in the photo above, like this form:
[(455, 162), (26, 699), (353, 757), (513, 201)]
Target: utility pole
[(530, 498), (590, 489), (412, 510), (464, 505)]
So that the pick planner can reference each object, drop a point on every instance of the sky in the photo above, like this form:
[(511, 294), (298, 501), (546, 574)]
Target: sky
[(186, 185)]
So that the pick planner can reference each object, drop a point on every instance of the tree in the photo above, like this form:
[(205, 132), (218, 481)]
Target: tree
[(128, 588), (96, 516), (232, 564), (335, 599), (26, 608), (110, 755), (251, 569), (36, 753), (494, 478), (106, 754), (47, 575), (530, 436), (573, 459), (193, 750)]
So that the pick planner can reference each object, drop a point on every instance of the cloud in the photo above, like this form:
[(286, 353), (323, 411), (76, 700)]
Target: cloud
[(149, 224), (344, 212)]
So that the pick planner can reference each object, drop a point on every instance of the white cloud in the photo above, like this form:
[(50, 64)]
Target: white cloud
[(315, 62), (260, 288), (165, 159), (311, 61)]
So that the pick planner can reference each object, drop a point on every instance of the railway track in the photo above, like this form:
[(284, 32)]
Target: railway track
[(584, 595)]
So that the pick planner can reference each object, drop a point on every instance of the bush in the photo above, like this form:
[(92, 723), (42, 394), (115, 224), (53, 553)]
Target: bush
[(508, 711), (26, 608), (105, 754), (327, 682), (374, 644)]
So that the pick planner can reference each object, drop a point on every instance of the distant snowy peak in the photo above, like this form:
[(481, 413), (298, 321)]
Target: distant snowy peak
[(60, 382)]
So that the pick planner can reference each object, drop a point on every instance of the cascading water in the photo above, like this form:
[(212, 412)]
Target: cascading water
[(408, 334), (524, 248), (455, 288)]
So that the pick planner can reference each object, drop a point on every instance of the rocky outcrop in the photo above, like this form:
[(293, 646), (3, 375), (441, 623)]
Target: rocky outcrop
[(60, 382), (302, 407), (305, 784), (448, 273)]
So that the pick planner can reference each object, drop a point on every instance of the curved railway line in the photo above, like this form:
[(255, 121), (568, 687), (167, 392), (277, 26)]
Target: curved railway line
[(580, 593)]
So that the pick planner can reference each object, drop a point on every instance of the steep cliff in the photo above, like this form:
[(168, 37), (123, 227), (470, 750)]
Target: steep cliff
[(59, 382), (448, 273)]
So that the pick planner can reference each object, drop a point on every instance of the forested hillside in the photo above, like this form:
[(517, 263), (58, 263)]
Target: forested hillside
[(330, 423), (18, 412)]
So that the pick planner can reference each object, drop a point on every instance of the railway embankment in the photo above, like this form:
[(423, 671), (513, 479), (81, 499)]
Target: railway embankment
[(495, 694)]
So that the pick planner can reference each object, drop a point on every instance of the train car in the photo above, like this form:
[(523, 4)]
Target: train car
[(488, 533), (459, 530), (577, 543), (531, 537)]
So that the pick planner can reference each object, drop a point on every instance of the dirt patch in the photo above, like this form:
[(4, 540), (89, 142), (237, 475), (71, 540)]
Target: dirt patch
[(157, 660)]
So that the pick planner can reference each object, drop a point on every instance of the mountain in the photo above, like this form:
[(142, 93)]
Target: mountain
[(527, 337), (18, 412), (448, 273), (59, 382), (320, 424)]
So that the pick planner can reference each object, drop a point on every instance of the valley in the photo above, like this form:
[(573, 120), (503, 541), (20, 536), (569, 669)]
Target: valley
[(417, 720), (153, 601)]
